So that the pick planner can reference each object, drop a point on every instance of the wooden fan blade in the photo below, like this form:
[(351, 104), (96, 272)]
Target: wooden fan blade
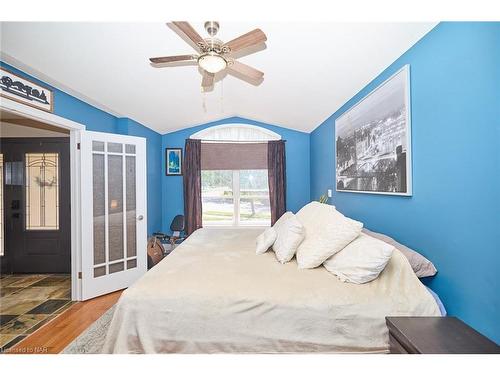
[(167, 59), (208, 79), (245, 70), (188, 30), (251, 38)]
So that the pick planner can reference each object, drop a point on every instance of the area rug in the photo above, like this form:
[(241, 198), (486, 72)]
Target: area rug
[(91, 341)]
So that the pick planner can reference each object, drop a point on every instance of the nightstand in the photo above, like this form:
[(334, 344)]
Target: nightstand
[(436, 335)]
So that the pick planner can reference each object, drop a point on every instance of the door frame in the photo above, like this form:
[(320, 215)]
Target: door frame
[(75, 130)]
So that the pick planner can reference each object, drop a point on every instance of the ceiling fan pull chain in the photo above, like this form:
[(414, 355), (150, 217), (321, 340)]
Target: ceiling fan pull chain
[(222, 96), (204, 101)]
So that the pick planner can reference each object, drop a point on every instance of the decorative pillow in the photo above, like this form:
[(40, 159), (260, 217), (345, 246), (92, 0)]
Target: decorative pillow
[(422, 266), (327, 232), (361, 261), (289, 235), (265, 240)]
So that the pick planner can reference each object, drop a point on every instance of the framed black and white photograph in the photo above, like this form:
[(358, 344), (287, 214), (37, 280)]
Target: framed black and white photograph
[(173, 161), (373, 141)]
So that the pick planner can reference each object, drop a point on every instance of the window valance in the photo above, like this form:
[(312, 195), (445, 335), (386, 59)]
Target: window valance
[(232, 156)]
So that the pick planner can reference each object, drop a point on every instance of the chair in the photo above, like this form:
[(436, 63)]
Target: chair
[(177, 227)]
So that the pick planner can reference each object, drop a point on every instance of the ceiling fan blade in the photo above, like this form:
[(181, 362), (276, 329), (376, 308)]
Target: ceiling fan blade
[(189, 31), (245, 70), (208, 80), (167, 59), (251, 38)]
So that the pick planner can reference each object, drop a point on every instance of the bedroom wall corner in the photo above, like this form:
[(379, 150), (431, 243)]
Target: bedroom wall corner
[(453, 216), (128, 126)]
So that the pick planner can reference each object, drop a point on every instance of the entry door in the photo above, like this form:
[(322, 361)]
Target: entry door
[(114, 225), (37, 205)]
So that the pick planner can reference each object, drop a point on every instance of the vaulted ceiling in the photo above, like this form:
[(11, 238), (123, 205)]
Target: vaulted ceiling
[(311, 69)]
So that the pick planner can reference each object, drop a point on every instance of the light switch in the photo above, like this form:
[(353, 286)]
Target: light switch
[(329, 193)]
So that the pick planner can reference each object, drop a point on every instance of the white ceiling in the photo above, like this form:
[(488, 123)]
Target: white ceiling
[(311, 69)]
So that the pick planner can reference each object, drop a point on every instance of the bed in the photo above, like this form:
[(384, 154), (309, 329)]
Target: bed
[(213, 294)]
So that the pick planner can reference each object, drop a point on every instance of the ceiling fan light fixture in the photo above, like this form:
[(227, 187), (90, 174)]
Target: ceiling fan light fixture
[(212, 62)]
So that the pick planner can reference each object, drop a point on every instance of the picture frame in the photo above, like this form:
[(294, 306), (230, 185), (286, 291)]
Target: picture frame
[(173, 161), (25, 91), (373, 141)]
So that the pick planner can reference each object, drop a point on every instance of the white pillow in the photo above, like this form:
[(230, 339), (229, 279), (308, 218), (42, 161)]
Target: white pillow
[(327, 232), (361, 261), (265, 240), (289, 235), (287, 215)]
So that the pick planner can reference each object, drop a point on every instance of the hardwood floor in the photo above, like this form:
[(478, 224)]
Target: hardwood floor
[(57, 334)]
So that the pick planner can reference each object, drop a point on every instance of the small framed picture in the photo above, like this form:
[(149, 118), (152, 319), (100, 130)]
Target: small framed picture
[(173, 158)]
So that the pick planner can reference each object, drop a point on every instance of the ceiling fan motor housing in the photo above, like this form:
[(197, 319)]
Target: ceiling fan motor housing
[(214, 45)]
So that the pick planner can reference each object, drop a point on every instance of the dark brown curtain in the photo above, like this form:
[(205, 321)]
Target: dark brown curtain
[(192, 185), (276, 169)]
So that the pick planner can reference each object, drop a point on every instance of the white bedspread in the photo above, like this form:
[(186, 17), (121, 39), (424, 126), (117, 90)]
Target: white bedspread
[(213, 294)]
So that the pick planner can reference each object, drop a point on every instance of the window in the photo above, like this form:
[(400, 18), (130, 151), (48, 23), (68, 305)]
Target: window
[(235, 197), (236, 132), (217, 197), (254, 205), (42, 191), (234, 188)]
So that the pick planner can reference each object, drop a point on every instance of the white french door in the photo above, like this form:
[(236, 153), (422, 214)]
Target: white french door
[(114, 224)]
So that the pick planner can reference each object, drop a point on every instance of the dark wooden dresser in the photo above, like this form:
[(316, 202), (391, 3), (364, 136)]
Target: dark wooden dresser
[(436, 335)]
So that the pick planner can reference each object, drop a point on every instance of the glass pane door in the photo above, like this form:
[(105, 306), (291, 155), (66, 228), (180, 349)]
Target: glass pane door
[(114, 207), (114, 224)]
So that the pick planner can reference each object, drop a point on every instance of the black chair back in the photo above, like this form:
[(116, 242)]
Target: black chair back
[(177, 224)]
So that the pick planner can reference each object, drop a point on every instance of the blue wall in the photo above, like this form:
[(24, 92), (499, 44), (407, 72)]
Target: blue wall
[(297, 163), (453, 217), (94, 119)]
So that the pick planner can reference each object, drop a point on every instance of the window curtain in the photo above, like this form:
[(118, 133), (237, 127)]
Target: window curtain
[(276, 169), (192, 185)]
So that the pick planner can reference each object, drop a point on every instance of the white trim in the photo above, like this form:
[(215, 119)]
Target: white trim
[(409, 165), (75, 129), (76, 212), (38, 115), (205, 133)]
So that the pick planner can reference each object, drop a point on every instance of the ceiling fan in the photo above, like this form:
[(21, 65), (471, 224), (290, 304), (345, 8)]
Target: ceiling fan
[(214, 56)]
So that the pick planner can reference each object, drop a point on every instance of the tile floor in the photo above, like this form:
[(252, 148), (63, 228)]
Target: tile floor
[(29, 301)]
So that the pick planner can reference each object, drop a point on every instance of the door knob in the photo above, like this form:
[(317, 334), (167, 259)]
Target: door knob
[(140, 217)]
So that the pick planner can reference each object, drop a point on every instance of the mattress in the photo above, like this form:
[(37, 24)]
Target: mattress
[(442, 309), (213, 294)]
